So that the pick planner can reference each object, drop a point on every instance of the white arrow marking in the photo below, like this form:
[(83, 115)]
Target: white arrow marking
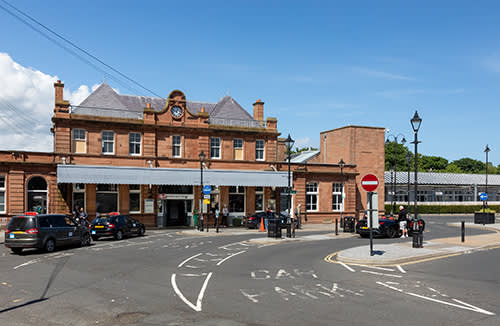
[(219, 263), (463, 305), (185, 261), (349, 268), (200, 295)]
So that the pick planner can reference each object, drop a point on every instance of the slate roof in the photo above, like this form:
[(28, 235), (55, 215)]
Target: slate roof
[(106, 102), (304, 156), (434, 178)]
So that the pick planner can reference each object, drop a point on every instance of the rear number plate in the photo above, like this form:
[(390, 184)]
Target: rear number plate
[(99, 226), (364, 227)]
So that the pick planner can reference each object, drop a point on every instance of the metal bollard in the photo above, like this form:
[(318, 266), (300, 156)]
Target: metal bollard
[(463, 231), (336, 227)]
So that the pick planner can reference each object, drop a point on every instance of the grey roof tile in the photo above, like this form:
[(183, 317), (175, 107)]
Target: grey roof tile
[(104, 101), (435, 178)]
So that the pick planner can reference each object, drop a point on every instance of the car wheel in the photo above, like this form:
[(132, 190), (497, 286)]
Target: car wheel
[(95, 238), (50, 245), (119, 235), (17, 250), (391, 232), (85, 241), (141, 232)]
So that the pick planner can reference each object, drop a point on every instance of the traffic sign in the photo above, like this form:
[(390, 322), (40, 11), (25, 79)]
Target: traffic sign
[(207, 189), (206, 196), (369, 182), (483, 196), (206, 201)]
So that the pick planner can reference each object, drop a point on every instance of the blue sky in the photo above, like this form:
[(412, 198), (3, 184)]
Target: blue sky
[(317, 65)]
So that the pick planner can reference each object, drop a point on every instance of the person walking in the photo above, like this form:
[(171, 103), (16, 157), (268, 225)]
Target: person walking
[(297, 216), (225, 215), (83, 217), (269, 214), (403, 221), (195, 219)]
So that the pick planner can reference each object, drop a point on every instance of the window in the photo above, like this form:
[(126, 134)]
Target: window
[(214, 147), (134, 143), (312, 196), (2, 194), (79, 141), (106, 198), (135, 199), (176, 146), (237, 199), (259, 199), (37, 195), (238, 149), (337, 197), (259, 150), (108, 142), (78, 196)]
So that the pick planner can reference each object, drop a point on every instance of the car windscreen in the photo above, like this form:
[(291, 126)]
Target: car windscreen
[(21, 223)]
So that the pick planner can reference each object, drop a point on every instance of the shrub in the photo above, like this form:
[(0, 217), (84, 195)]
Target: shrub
[(448, 209)]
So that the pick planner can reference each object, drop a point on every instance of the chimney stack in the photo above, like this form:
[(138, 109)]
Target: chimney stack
[(258, 110), (59, 87)]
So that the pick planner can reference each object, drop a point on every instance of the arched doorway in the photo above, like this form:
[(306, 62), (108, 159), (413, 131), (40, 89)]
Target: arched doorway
[(37, 195)]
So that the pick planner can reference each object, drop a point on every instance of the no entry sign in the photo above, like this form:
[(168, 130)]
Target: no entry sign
[(369, 182)]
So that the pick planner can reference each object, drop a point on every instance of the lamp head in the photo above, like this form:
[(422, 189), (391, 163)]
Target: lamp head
[(341, 163), (289, 143), (415, 122), (202, 156), (487, 149)]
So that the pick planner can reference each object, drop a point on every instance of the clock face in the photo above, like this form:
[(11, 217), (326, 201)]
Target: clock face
[(176, 111)]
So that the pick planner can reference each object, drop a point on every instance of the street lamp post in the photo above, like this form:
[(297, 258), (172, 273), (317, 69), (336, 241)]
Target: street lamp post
[(485, 202), (289, 144), (341, 165), (415, 124), (393, 170), (202, 160), (408, 160)]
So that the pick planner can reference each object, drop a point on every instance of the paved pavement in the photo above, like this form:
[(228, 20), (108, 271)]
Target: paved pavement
[(403, 253)]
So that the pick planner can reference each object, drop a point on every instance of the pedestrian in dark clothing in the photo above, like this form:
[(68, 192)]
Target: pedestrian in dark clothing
[(403, 221)]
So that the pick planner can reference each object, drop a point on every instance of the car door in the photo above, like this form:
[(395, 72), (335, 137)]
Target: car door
[(123, 225), (74, 231), (59, 229), (133, 225)]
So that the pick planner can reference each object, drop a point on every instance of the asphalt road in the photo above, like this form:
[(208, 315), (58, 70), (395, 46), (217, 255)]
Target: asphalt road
[(167, 278)]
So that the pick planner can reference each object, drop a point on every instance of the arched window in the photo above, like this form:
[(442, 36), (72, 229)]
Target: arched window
[(37, 195)]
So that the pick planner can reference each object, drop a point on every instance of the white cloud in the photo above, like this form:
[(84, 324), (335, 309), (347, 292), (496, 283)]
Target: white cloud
[(492, 63), (27, 105), (380, 74)]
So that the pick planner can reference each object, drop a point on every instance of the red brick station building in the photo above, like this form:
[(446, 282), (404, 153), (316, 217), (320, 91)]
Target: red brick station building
[(141, 156)]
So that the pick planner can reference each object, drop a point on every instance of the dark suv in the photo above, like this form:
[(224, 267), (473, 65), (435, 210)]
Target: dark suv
[(44, 231), (116, 225)]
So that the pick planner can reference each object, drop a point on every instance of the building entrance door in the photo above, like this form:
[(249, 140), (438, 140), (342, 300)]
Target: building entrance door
[(176, 213)]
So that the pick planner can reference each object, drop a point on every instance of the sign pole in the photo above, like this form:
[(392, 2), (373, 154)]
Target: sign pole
[(370, 214)]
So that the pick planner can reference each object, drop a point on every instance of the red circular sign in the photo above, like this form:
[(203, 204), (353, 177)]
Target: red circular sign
[(369, 182)]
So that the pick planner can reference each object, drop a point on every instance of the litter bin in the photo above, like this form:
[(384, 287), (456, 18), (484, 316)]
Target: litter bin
[(274, 228), (417, 233), (348, 224)]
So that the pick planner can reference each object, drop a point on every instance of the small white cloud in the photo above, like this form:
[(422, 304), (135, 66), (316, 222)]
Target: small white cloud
[(380, 74), (27, 105), (492, 63)]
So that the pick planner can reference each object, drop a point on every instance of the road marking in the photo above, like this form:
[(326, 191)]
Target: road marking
[(401, 269), (349, 268), (463, 305), (250, 297), (185, 261), (220, 263), (200, 295), (379, 268), (383, 274), (33, 261)]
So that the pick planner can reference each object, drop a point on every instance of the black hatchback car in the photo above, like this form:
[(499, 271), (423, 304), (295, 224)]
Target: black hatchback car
[(44, 231), (387, 227), (115, 225)]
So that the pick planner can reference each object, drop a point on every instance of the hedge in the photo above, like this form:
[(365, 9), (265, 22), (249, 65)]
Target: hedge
[(446, 209)]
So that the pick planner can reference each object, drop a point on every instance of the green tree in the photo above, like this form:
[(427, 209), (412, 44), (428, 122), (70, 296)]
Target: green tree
[(453, 168), (432, 163), (395, 154), (468, 165)]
